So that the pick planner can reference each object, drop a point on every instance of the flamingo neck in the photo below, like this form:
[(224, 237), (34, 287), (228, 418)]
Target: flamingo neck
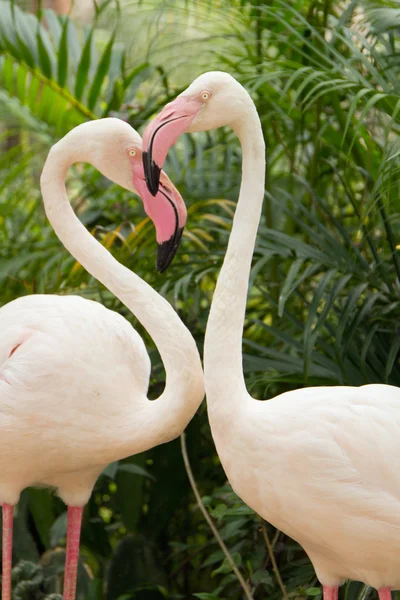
[(166, 417), (223, 368)]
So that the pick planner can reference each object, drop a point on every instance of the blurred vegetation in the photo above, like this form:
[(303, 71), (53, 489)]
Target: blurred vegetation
[(324, 303)]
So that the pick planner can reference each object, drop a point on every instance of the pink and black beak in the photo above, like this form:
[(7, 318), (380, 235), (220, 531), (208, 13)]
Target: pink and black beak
[(162, 133), (167, 210)]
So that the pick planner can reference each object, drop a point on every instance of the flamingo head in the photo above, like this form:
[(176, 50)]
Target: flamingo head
[(166, 209), (115, 149), (212, 100)]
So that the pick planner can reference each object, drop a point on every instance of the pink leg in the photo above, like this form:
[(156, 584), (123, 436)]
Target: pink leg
[(331, 593), (71, 561), (385, 594), (8, 514)]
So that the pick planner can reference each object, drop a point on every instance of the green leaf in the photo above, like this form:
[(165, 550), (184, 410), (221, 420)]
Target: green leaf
[(312, 316), (262, 577), (53, 24), (58, 530), (136, 566), (219, 511), (313, 591), (101, 73), (99, 9), (95, 590), (216, 556), (41, 505), (26, 53), (63, 55), (226, 567), (34, 90), (44, 56), (111, 470), (8, 74), (232, 528), (8, 36), (130, 490), (84, 66), (23, 543), (392, 356), (287, 286), (21, 78), (25, 25), (135, 469)]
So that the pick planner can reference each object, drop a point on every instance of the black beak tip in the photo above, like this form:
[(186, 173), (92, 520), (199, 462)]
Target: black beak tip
[(167, 251), (161, 268), (152, 173)]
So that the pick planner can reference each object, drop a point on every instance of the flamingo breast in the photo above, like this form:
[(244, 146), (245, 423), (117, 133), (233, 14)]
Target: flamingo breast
[(73, 379), (321, 464)]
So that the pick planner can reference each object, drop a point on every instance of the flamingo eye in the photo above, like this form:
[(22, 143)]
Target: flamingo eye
[(132, 152), (205, 95)]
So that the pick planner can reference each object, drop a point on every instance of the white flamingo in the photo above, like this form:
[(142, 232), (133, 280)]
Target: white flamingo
[(319, 463), (73, 374)]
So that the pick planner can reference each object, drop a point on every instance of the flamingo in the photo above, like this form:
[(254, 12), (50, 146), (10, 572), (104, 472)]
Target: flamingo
[(74, 375), (320, 463)]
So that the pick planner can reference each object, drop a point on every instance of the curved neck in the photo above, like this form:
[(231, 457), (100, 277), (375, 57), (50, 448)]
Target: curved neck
[(184, 387), (223, 368)]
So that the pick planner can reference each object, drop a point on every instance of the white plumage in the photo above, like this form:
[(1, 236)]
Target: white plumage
[(321, 464), (74, 375), (73, 394)]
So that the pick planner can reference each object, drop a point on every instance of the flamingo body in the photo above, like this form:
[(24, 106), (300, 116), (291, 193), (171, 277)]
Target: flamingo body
[(74, 375), (321, 464), (70, 393)]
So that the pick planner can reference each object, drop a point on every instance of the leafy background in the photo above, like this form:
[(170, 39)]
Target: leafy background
[(324, 304)]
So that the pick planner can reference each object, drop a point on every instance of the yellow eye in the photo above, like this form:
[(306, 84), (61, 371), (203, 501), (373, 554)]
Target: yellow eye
[(205, 95), (132, 152)]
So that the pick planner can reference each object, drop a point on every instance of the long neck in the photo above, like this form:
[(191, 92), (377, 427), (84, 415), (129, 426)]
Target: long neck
[(223, 368), (184, 388)]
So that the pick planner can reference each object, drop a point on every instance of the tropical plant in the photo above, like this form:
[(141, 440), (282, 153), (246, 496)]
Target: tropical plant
[(324, 302)]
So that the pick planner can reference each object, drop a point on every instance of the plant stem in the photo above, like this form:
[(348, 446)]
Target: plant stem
[(210, 522), (273, 561)]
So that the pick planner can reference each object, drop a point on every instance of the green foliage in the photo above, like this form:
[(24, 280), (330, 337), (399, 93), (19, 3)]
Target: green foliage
[(324, 302), (29, 583)]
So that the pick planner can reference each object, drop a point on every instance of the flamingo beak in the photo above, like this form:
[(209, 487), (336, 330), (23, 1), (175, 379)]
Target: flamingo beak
[(168, 212), (167, 250), (162, 133)]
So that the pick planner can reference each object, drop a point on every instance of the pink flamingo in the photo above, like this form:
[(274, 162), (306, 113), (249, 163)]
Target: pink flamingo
[(319, 463), (74, 375)]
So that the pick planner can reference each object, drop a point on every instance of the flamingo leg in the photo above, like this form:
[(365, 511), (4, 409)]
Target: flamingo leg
[(8, 515), (71, 561), (385, 593), (331, 593)]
